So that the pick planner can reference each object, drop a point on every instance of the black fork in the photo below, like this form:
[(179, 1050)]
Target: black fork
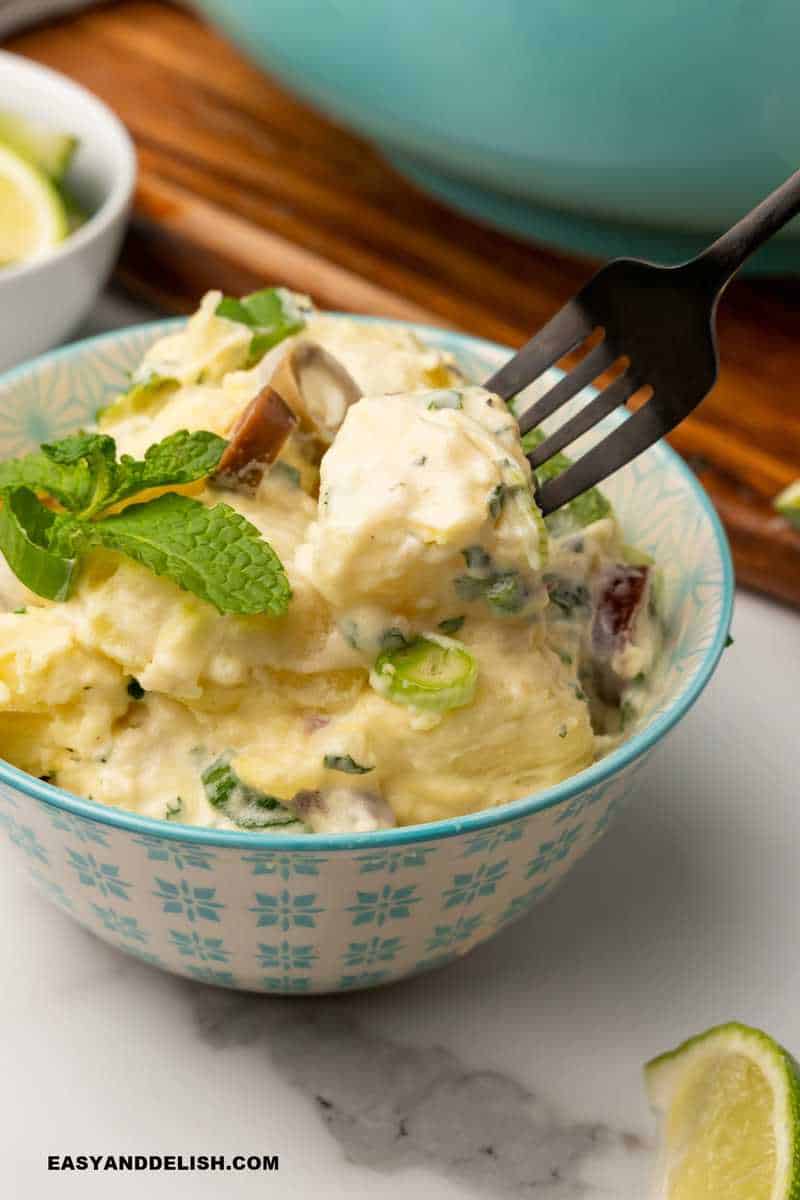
[(661, 322)]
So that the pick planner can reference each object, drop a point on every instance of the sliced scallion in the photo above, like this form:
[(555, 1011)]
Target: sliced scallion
[(433, 673), (444, 398), (144, 395)]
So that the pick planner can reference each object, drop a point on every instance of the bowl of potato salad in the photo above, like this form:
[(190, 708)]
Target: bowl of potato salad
[(299, 692)]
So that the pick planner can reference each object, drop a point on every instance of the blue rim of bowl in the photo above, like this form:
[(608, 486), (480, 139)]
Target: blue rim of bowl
[(614, 762)]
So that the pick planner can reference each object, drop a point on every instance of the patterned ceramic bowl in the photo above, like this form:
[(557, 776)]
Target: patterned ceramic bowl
[(320, 914)]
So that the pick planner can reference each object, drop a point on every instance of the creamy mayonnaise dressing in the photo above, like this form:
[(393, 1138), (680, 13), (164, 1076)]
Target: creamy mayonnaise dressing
[(418, 521)]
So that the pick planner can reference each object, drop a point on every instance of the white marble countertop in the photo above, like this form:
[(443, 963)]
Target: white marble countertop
[(513, 1073)]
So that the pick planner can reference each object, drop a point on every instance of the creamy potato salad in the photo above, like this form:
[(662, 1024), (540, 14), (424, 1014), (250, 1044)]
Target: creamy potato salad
[(296, 580)]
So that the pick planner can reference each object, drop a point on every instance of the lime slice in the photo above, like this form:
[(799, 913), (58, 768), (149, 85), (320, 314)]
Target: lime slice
[(48, 150), (32, 216), (729, 1100), (76, 213), (787, 503)]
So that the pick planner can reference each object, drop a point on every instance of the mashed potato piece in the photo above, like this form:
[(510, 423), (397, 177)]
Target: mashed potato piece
[(417, 527), (412, 485)]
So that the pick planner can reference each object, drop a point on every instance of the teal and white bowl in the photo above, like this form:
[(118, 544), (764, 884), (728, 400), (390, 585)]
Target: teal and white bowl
[(296, 915)]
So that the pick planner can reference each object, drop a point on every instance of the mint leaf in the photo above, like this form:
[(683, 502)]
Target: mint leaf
[(498, 497), (344, 762), (82, 474), (245, 806), (70, 470), (25, 530), (285, 471), (68, 536), (590, 506), (503, 589), (567, 595), (273, 314), (393, 639), (507, 593), (173, 811), (213, 552), (181, 458), (234, 310), (94, 447), (68, 485)]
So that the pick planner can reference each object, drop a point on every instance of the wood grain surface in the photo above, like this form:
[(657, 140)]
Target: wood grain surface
[(241, 183)]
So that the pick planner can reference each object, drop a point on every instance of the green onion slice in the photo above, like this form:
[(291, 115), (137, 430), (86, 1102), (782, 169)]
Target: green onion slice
[(145, 395), (443, 398), (433, 673)]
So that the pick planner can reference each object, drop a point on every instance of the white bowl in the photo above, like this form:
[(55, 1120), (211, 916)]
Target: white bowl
[(43, 301)]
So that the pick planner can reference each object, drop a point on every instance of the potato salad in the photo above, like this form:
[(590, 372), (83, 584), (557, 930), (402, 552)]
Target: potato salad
[(295, 580)]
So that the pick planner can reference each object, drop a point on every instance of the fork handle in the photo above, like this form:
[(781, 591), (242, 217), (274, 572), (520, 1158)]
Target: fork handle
[(717, 265)]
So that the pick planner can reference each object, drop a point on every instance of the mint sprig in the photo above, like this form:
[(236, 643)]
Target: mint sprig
[(69, 471), (245, 806), (181, 458), (82, 473), (272, 314), (215, 553)]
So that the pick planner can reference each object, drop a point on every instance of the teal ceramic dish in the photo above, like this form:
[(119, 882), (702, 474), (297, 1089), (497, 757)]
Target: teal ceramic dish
[(606, 129), (294, 915)]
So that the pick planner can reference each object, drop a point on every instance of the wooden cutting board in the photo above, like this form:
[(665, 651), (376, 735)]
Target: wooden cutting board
[(240, 183)]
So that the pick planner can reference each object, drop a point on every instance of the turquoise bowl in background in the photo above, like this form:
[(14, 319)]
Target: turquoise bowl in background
[(302, 914), (604, 128)]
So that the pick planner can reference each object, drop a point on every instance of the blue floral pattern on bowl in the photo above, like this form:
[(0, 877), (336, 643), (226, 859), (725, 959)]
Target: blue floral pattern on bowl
[(292, 915)]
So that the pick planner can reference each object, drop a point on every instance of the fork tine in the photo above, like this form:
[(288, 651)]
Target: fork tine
[(595, 362), (633, 436), (562, 333), (610, 398)]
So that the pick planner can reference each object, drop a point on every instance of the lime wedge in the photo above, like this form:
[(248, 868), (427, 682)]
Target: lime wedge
[(48, 150), (32, 215), (787, 503), (729, 1101)]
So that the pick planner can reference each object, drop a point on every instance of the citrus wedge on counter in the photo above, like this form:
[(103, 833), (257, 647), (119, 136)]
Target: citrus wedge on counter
[(32, 215), (729, 1102), (787, 503)]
